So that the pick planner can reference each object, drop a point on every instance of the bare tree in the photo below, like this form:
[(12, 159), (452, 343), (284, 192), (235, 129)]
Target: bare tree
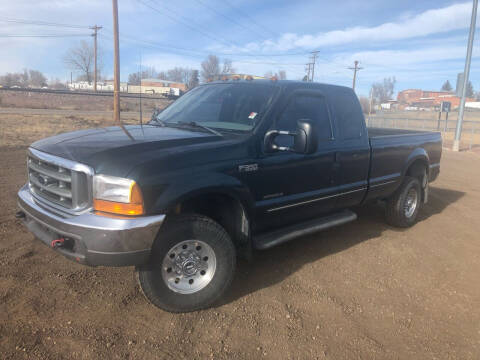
[(383, 91), (194, 80), (210, 68), (147, 73), (11, 79), (227, 67), (37, 79), (365, 104), (81, 58), (24, 79), (268, 75), (56, 84), (282, 75), (27, 78)]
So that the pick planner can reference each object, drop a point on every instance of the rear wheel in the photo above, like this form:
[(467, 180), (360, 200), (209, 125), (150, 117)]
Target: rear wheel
[(403, 206), (192, 265)]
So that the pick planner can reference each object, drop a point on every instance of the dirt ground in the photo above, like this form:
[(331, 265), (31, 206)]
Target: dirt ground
[(361, 291)]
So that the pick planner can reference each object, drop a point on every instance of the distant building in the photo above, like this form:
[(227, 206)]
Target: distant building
[(427, 99), (106, 85), (158, 87)]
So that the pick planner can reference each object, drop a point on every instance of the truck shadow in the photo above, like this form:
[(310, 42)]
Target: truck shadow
[(272, 266)]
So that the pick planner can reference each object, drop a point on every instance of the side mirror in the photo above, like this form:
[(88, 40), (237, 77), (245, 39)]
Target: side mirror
[(304, 139)]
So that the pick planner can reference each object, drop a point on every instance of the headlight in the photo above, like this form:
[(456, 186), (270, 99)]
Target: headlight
[(117, 195)]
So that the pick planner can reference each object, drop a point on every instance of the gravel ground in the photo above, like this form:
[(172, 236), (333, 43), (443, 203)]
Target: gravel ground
[(361, 291)]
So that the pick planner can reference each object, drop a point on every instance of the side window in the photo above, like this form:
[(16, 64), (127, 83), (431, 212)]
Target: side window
[(349, 118), (309, 107)]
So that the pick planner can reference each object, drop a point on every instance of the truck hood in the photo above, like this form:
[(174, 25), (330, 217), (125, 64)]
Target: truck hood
[(114, 146)]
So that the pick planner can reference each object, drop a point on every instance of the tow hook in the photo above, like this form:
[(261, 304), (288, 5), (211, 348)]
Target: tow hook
[(57, 243)]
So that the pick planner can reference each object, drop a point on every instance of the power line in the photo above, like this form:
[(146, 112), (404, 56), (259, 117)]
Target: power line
[(41, 23), (186, 23), (240, 11), (131, 39), (41, 35), (228, 18)]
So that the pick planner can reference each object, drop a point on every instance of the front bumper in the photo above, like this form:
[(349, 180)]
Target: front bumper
[(92, 239)]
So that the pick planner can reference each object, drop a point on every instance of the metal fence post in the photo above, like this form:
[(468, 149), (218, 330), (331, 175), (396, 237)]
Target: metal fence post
[(472, 135)]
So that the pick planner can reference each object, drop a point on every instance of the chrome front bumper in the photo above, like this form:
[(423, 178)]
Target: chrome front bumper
[(92, 239)]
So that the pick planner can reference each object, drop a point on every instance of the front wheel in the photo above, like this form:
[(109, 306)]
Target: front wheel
[(403, 206), (192, 265)]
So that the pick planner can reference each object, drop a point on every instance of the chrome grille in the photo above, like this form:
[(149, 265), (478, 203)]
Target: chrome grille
[(58, 182)]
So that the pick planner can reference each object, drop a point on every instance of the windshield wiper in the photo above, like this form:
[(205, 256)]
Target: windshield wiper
[(197, 125)]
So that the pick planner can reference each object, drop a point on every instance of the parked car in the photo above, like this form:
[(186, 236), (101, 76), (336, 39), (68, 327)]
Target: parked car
[(229, 168)]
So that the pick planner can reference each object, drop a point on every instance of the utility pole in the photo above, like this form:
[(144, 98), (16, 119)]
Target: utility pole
[(355, 69), (116, 66), (314, 59), (95, 32), (468, 60), (308, 69)]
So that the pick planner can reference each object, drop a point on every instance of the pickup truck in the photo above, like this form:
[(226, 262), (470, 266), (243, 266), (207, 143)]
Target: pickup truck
[(228, 169)]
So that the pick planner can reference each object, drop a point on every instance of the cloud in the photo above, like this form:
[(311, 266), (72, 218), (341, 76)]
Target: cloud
[(429, 22)]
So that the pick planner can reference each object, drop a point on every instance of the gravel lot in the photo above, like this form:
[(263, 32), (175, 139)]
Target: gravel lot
[(362, 291)]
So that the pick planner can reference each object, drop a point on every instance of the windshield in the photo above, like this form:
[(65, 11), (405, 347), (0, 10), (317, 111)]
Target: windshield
[(220, 106)]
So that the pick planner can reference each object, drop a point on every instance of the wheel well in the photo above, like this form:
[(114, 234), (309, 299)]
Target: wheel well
[(225, 210), (417, 169)]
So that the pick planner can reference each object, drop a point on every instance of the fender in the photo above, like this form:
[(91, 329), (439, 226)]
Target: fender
[(208, 183), (417, 154)]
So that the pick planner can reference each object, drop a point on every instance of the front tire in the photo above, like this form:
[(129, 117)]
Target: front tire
[(192, 265), (403, 206)]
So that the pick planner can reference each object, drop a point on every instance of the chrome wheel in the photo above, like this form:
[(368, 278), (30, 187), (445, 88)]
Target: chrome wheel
[(411, 202), (189, 266)]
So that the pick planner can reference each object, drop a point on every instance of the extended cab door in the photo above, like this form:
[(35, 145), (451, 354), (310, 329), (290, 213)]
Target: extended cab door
[(353, 154), (291, 187)]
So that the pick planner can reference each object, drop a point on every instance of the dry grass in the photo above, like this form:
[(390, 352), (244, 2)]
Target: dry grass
[(23, 129)]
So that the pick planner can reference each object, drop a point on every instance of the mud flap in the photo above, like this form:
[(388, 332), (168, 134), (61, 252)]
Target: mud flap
[(425, 187)]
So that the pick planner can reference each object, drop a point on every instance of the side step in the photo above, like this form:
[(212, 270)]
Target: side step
[(276, 237)]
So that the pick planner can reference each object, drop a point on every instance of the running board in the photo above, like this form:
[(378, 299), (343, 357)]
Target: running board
[(276, 237)]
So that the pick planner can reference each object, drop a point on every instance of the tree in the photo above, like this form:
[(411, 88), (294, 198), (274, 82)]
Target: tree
[(11, 79), (194, 80), (446, 86), (383, 91), (227, 67), (470, 92), (24, 79), (27, 78), (56, 84), (210, 68), (365, 104), (37, 79), (81, 58), (148, 72), (282, 75)]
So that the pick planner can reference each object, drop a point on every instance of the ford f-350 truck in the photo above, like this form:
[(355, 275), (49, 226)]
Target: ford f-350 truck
[(229, 168)]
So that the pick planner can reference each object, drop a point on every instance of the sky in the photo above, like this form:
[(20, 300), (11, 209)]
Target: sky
[(421, 43)]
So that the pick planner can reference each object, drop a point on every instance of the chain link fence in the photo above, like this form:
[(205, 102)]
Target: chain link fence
[(470, 130)]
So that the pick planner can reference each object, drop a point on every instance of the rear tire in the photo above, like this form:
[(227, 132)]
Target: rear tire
[(403, 206), (192, 265)]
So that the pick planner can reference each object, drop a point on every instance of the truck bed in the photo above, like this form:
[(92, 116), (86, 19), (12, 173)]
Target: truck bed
[(392, 150)]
